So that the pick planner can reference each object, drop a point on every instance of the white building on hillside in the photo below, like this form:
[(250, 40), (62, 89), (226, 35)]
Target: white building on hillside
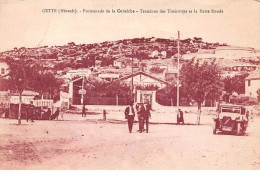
[(78, 73), (231, 52), (3, 69), (108, 76), (252, 84), (154, 54)]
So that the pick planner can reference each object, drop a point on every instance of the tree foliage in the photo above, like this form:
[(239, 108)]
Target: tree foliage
[(235, 84), (24, 74), (96, 88), (200, 82), (45, 83), (20, 76)]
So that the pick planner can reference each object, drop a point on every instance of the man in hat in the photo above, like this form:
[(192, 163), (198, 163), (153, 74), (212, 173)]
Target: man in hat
[(130, 115), (146, 115), (180, 118)]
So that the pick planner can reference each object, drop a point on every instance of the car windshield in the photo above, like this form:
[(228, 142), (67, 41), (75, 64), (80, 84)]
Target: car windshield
[(236, 110)]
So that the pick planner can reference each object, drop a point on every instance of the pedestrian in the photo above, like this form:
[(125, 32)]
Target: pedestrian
[(83, 111), (62, 111), (146, 116), (55, 115), (47, 114), (180, 118), (252, 116), (140, 114), (130, 115), (7, 112), (30, 112), (104, 114)]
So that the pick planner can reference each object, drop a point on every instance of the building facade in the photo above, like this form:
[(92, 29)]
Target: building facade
[(3, 69), (252, 84)]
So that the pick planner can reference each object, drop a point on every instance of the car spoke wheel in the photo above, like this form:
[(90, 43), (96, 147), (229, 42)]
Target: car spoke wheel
[(238, 129), (214, 130)]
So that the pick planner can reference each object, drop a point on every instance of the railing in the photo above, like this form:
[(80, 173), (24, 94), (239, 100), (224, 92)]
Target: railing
[(43, 103)]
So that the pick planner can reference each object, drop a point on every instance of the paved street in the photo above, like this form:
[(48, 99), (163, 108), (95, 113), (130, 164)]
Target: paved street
[(95, 144)]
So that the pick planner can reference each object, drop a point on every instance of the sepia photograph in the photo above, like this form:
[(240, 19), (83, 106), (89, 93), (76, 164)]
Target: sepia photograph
[(129, 85)]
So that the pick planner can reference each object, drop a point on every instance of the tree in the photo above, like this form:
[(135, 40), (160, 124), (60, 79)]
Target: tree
[(25, 74), (200, 82), (45, 83), (235, 84), (20, 77), (167, 95)]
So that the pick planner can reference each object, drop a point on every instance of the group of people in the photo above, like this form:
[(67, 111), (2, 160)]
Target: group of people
[(143, 115), (46, 115)]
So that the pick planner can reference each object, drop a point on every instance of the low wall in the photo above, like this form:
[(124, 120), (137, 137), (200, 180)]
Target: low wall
[(161, 109)]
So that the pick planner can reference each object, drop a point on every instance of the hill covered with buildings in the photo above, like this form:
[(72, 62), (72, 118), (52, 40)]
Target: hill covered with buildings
[(153, 55)]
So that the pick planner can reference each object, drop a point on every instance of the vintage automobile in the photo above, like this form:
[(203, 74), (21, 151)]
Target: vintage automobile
[(232, 118)]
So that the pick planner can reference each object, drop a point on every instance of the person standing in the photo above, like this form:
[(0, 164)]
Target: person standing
[(130, 115), (104, 115), (146, 116), (55, 115), (180, 118), (46, 115), (83, 111), (62, 111), (140, 113), (252, 116), (30, 112)]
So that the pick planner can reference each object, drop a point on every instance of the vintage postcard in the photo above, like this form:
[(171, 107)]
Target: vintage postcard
[(129, 85)]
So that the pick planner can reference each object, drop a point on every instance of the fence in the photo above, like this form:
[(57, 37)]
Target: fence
[(46, 103)]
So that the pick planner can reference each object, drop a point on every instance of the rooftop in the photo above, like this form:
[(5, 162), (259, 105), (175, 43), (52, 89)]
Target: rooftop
[(255, 76)]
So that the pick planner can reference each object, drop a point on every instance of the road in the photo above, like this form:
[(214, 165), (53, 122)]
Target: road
[(97, 144)]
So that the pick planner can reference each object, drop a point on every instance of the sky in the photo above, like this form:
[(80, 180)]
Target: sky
[(23, 24)]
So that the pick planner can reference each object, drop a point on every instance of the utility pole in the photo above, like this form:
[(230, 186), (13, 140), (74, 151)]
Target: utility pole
[(132, 79), (82, 95), (178, 72)]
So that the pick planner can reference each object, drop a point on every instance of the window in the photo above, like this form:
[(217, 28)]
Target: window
[(2, 70), (249, 82)]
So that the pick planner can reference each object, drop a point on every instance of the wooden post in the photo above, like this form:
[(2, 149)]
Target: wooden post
[(116, 100), (178, 74), (132, 79), (20, 108)]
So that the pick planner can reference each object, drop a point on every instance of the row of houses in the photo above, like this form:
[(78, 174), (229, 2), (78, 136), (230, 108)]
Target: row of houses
[(140, 78)]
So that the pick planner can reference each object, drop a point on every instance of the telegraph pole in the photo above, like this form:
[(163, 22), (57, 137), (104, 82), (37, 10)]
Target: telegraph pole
[(178, 72), (82, 94), (132, 79)]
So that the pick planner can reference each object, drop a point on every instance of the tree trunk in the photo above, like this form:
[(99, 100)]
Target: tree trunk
[(199, 112), (116, 100), (20, 107)]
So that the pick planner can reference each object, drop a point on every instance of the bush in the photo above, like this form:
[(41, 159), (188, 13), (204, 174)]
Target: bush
[(243, 100), (156, 70)]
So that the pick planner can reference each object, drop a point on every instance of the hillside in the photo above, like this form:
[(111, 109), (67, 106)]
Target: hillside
[(73, 56)]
